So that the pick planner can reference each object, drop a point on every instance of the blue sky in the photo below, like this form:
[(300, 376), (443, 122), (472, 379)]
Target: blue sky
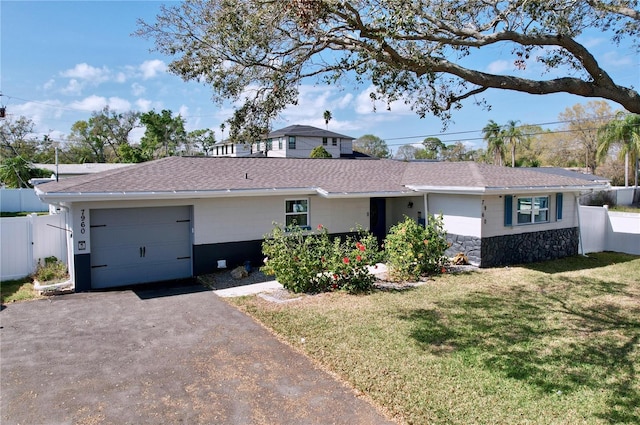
[(61, 60)]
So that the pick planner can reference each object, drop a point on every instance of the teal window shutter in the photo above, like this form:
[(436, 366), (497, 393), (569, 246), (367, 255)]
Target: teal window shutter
[(558, 206), (508, 210)]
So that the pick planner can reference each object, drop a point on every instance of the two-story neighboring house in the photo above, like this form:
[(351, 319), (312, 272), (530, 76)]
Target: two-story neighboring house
[(294, 141), (297, 141)]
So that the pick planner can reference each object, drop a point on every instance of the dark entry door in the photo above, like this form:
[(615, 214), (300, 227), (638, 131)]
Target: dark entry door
[(378, 218)]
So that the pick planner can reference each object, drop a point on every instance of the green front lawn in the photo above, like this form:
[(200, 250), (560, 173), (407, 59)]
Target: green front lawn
[(17, 290), (625, 208), (555, 342)]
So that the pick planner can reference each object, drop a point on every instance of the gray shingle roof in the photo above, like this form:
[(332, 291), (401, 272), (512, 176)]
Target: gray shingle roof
[(330, 176), (569, 173), (305, 131), (86, 168)]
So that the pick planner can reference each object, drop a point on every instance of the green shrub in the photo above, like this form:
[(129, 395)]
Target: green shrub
[(319, 152), (52, 270), (312, 262), (413, 250)]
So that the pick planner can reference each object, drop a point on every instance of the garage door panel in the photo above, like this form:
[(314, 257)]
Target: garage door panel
[(138, 245), (116, 255), (139, 216), (132, 235), (106, 277)]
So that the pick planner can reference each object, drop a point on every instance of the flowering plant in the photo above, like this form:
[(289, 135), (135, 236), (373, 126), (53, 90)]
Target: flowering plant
[(305, 261), (413, 250)]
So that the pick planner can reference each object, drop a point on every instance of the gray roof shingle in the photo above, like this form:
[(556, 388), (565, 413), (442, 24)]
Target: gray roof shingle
[(305, 131), (332, 176)]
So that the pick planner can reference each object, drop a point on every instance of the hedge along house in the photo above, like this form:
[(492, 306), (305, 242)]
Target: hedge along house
[(179, 217)]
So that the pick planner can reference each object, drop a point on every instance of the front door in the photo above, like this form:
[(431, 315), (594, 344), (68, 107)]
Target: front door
[(378, 218)]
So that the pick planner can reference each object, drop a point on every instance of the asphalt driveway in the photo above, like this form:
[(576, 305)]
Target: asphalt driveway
[(168, 356)]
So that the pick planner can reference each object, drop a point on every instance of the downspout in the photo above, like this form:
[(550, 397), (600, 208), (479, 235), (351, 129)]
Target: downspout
[(577, 196), (426, 209)]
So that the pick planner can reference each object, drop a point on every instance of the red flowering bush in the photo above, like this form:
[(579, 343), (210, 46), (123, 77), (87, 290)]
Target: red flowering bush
[(304, 261)]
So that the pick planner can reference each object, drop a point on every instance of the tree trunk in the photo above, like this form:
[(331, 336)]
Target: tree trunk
[(626, 169)]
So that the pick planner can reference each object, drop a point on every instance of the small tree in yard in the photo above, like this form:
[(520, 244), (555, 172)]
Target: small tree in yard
[(309, 262), (413, 250)]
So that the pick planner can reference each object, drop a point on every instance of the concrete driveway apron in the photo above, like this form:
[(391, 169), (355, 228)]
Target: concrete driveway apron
[(154, 357)]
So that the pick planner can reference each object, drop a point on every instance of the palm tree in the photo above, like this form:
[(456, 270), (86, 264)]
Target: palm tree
[(15, 172), (495, 141), (512, 134), (625, 132), (222, 127), (327, 117)]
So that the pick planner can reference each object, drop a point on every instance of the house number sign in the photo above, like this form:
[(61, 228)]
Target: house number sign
[(83, 224)]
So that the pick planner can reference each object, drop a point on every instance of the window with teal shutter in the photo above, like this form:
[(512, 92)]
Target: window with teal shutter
[(508, 210), (558, 206)]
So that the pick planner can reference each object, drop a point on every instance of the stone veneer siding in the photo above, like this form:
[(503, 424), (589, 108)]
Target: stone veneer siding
[(468, 245), (529, 247)]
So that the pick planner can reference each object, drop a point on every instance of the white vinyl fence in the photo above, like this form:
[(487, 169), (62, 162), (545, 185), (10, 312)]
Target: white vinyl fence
[(26, 240), (604, 230), (624, 195), (18, 200)]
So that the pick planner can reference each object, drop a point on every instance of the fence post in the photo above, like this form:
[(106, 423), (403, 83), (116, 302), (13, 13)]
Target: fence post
[(30, 259)]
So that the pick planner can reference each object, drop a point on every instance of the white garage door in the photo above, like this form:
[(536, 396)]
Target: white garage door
[(138, 245)]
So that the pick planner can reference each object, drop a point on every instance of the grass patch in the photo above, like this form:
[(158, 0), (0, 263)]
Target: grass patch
[(556, 342), (625, 208), (21, 214), (17, 290)]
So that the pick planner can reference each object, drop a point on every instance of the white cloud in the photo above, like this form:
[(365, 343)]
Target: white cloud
[(49, 84), (74, 87), (119, 104), (87, 72), (121, 77), (144, 105), (366, 106), (499, 66), (591, 42), (44, 114), (151, 68), (138, 89), (345, 101), (136, 135), (96, 103), (612, 58), (91, 103), (183, 111)]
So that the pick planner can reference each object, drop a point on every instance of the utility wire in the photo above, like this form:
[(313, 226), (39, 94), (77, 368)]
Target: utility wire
[(436, 135)]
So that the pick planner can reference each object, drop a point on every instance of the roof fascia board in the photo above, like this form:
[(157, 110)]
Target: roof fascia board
[(506, 190), (383, 194), (194, 194)]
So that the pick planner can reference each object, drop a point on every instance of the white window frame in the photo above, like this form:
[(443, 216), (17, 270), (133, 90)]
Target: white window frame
[(534, 210), (296, 212)]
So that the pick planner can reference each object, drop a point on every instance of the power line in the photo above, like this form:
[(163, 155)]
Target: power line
[(437, 135), (502, 126)]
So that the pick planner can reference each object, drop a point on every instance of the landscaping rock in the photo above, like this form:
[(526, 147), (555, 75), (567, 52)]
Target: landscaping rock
[(239, 273)]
